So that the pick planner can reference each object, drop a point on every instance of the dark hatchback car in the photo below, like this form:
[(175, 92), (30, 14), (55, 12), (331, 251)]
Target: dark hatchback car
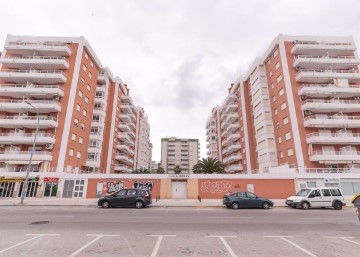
[(246, 200), (138, 198)]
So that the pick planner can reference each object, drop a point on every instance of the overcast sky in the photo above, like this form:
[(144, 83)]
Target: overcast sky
[(179, 57)]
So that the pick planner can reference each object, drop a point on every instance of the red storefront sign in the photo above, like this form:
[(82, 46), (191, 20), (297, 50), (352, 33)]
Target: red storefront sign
[(54, 180)]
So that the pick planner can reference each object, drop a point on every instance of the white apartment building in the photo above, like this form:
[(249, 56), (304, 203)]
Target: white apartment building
[(143, 145), (179, 152)]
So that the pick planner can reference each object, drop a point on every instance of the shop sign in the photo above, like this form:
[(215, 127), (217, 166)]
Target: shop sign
[(331, 180), (48, 180), (179, 176), (15, 179)]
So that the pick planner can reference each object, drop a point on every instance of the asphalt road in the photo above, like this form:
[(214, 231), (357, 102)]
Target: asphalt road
[(91, 231)]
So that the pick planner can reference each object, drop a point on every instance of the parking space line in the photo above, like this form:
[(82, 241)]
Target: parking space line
[(158, 242), (293, 244), (237, 217), (346, 238), (28, 240), (322, 218), (227, 246), (90, 243)]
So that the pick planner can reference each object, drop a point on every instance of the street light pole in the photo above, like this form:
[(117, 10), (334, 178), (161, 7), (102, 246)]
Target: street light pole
[(26, 182)]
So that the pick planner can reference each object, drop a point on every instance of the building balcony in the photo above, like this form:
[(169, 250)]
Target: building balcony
[(231, 98), (232, 158), (326, 90), (123, 158), (30, 90), (321, 105), (123, 148), (232, 117), (100, 99), (235, 168), (17, 106), (326, 76), (127, 100), (124, 127), (122, 168), (102, 77), (131, 134), (124, 136), (335, 121), (126, 108), (28, 122), (347, 138), (92, 163), (329, 157), (35, 62), (33, 76), (26, 138), (322, 48), (96, 136), (125, 118), (326, 62), (233, 127), (97, 123), (44, 48), (24, 156), (231, 108), (232, 148)]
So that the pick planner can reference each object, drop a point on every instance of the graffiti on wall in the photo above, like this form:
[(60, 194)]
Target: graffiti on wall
[(143, 185), (216, 187), (113, 186)]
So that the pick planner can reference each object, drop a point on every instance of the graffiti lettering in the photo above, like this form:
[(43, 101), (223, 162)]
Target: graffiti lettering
[(216, 187), (114, 186), (143, 185)]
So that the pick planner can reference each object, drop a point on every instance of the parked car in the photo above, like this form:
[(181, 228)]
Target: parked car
[(246, 200), (138, 198), (317, 197)]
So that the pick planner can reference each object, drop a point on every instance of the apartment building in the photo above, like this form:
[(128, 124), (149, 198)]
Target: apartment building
[(179, 152), (58, 85), (143, 145), (298, 106)]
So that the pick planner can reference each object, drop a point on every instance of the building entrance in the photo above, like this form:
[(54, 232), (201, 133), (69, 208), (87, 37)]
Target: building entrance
[(179, 189)]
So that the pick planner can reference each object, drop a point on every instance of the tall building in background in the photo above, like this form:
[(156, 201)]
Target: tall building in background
[(179, 152), (86, 118), (297, 106)]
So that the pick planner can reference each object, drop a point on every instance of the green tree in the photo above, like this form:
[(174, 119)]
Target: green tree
[(177, 169), (208, 166), (160, 170)]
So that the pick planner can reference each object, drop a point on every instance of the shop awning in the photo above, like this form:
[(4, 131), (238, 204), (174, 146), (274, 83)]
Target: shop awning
[(23, 162)]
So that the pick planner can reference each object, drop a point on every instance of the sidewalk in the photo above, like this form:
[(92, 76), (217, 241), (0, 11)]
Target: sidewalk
[(93, 202)]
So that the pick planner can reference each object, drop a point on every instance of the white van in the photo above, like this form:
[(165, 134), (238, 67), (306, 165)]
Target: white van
[(317, 197)]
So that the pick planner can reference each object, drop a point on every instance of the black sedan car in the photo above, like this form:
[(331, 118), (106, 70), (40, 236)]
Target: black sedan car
[(138, 198), (246, 200)]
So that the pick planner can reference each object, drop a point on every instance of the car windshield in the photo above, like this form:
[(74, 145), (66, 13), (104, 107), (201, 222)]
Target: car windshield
[(303, 192)]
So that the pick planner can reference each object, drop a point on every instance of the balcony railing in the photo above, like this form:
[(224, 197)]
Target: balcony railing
[(35, 71), (331, 101), (326, 71), (38, 58), (30, 86)]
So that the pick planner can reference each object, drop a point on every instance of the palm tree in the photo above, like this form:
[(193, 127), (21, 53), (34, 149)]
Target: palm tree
[(209, 166), (177, 169), (160, 170)]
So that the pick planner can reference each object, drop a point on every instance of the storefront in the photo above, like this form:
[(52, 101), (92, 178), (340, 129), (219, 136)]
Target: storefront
[(13, 186)]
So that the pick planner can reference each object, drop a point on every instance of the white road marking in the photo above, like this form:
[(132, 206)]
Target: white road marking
[(346, 238), (320, 218), (237, 217), (198, 211), (167, 211), (90, 243), (293, 244), (227, 246), (158, 242), (24, 242)]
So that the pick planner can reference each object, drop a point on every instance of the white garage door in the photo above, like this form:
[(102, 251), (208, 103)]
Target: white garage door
[(179, 189)]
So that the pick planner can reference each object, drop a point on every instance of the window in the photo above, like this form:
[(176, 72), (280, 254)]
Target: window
[(131, 192), (84, 67), (275, 53), (78, 107), (335, 192), (315, 193), (283, 106), (121, 192), (326, 192), (277, 65), (281, 155), (78, 155), (285, 120), (86, 100), (86, 56), (277, 125), (350, 188), (281, 91), (80, 94), (84, 112), (310, 184), (88, 87), (73, 137), (76, 122), (91, 64), (82, 80), (79, 188), (71, 152), (274, 98), (275, 111), (279, 140), (279, 78), (270, 74), (82, 126), (80, 140), (268, 62), (90, 75), (251, 195), (287, 136), (290, 152), (272, 85)]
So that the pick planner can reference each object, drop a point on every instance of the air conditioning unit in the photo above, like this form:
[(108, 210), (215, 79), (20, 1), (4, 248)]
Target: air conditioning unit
[(57, 98), (49, 146), (307, 113), (303, 97)]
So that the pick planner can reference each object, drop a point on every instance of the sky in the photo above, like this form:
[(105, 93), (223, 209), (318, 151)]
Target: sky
[(179, 57)]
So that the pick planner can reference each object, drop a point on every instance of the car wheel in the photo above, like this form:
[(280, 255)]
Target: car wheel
[(338, 205), (266, 205), (228, 206), (139, 205), (305, 205), (235, 206), (105, 204)]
